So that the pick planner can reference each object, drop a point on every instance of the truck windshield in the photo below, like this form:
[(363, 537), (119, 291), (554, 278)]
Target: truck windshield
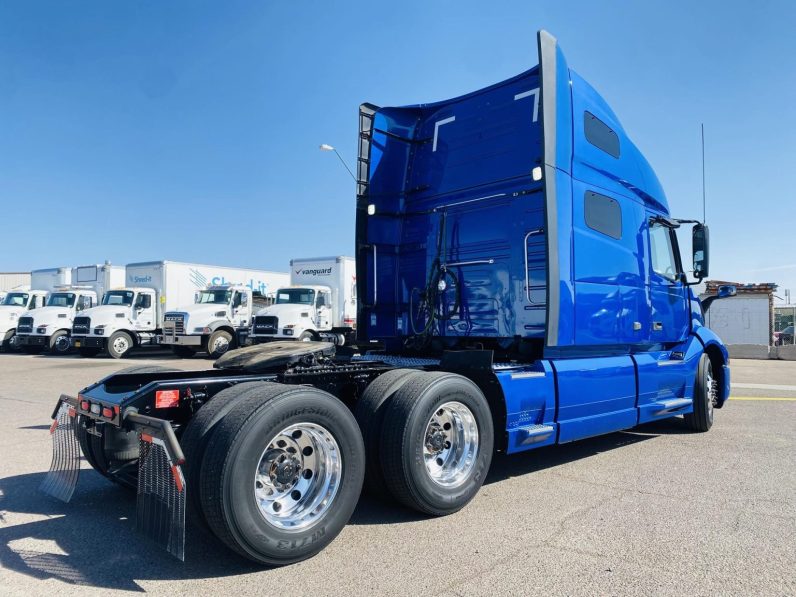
[(295, 296), (215, 297), (61, 299), (16, 299), (118, 297)]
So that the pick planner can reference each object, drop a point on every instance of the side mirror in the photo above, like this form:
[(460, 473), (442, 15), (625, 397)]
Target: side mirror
[(701, 251), (244, 299)]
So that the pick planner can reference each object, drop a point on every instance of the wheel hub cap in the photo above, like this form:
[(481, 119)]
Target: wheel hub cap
[(298, 476), (451, 444)]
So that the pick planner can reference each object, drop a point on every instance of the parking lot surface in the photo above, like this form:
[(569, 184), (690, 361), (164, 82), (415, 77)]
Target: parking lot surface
[(654, 510)]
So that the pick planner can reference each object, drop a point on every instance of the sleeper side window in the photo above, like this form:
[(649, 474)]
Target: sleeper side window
[(603, 214), (600, 134), (662, 252)]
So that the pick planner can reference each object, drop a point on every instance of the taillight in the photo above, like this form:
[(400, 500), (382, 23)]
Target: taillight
[(107, 412), (84, 405)]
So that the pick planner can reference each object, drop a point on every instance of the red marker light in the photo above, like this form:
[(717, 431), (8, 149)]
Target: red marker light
[(85, 405), (107, 413), (167, 398)]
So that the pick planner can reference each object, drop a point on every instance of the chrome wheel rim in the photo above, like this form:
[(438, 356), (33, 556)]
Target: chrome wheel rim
[(298, 476), (451, 444), (120, 345), (62, 344), (712, 389), (220, 345)]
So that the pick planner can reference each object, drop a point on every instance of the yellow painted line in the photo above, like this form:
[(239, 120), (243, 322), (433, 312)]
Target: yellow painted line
[(763, 398)]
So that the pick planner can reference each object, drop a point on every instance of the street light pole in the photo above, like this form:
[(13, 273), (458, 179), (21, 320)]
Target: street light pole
[(326, 147)]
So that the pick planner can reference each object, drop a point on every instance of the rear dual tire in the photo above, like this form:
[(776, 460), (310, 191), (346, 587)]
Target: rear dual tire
[(281, 471), (436, 443), (429, 439)]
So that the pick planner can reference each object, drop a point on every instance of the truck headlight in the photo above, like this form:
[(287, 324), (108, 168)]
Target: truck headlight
[(99, 330), (201, 330), (42, 329), (287, 331)]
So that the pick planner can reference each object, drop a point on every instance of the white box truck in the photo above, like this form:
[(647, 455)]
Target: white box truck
[(48, 328), (319, 304), (131, 316), (215, 310), (14, 304)]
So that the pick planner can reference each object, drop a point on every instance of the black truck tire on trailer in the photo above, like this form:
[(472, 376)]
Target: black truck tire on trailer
[(702, 417), (303, 446), (114, 445), (432, 459), (369, 412), (199, 431)]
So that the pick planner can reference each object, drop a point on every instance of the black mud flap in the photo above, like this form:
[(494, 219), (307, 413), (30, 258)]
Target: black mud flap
[(160, 510), (64, 470)]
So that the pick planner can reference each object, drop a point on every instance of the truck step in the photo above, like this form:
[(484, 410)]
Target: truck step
[(533, 434), (670, 406)]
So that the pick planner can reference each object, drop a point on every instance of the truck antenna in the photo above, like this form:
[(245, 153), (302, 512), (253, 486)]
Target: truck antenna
[(703, 172)]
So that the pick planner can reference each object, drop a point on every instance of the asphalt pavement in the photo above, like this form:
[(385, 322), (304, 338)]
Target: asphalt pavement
[(654, 510)]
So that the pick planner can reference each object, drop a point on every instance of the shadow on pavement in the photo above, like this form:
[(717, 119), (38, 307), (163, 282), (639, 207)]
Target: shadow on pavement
[(92, 540)]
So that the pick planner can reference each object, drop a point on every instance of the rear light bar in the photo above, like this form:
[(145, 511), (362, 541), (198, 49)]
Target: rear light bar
[(98, 410)]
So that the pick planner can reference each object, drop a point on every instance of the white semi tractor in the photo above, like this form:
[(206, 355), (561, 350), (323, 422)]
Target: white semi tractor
[(319, 304), (219, 311), (48, 328)]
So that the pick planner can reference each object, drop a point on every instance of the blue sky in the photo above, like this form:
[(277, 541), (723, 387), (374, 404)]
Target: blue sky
[(189, 131)]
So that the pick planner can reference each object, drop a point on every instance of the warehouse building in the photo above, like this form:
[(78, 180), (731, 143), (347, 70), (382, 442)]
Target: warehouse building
[(747, 318), (9, 280)]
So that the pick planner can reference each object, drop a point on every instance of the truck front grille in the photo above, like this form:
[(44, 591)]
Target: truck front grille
[(25, 325), (81, 325), (266, 324), (174, 324)]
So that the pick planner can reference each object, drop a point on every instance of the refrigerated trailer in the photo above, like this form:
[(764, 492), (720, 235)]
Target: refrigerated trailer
[(517, 260)]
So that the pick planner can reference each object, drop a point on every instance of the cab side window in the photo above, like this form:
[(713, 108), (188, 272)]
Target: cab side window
[(144, 301), (84, 302), (662, 252)]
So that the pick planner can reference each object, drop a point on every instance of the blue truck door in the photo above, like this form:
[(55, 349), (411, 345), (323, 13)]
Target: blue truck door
[(669, 309)]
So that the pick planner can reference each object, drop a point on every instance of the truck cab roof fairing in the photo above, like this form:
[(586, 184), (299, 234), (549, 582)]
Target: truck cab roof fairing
[(424, 158)]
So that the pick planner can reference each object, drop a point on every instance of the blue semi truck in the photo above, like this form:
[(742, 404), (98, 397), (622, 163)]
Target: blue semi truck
[(519, 283)]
